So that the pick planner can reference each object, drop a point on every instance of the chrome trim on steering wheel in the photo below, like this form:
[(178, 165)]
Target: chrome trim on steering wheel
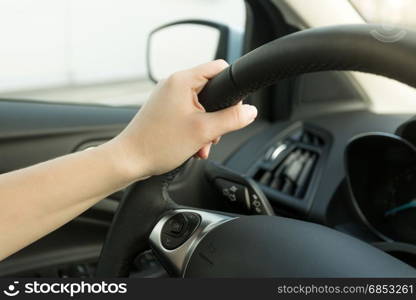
[(178, 258)]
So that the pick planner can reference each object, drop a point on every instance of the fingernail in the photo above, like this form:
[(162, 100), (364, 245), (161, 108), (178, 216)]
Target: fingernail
[(251, 112)]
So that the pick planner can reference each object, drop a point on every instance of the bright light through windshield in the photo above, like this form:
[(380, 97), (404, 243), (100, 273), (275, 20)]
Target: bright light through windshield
[(393, 12)]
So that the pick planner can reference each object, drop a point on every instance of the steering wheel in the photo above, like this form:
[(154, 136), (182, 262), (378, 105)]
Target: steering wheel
[(193, 242)]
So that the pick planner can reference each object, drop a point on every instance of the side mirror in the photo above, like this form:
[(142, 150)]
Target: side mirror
[(184, 44)]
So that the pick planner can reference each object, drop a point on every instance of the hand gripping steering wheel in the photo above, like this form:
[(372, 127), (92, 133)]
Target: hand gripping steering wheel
[(196, 243)]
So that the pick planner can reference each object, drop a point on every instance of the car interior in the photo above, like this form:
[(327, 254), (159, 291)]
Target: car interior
[(320, 185)]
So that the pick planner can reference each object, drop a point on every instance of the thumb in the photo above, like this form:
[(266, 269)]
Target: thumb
[(231, 118)]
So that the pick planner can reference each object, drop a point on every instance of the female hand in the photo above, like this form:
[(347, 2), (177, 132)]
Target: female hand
[(172, 126)]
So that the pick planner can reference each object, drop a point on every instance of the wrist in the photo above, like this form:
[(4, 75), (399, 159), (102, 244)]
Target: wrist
[(128, 165)]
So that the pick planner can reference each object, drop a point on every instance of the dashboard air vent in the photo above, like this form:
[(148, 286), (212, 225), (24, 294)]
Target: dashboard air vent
[(289, 165)]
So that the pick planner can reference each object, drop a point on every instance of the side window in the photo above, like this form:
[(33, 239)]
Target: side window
[(91, 51)]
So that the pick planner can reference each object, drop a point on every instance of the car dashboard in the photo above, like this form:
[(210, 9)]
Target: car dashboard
[(301, 166)]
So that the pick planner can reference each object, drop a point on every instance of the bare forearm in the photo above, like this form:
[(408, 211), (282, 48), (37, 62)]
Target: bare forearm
[(171, 127), (39, 199)]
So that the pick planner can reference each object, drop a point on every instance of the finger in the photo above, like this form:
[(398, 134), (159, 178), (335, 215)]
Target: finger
[(198, 76), (202, 73), (203, 153), (217, 140), (210, 69), (230, 119)]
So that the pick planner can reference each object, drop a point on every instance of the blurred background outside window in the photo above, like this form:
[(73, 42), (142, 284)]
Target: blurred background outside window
[(93, 51), (90, 51)]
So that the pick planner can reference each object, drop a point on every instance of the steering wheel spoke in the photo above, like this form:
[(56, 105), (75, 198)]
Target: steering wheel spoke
[(177, 234), (138, 212)]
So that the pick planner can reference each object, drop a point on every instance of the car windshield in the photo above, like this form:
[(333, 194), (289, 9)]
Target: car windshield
[(391, 12)]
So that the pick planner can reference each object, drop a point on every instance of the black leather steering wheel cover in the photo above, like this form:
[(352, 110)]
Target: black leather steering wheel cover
[(335, 48)]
